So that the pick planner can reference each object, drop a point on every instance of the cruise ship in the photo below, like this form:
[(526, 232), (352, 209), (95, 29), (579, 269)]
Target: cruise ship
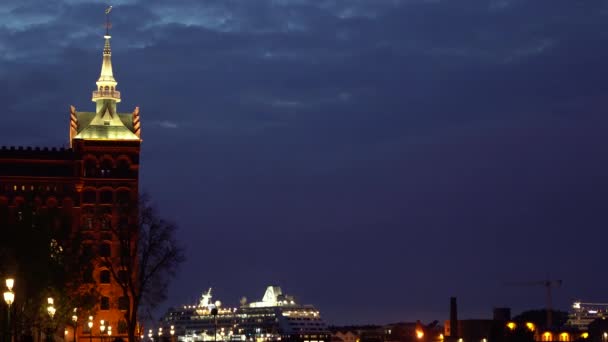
[(582, 314), (277, 317)]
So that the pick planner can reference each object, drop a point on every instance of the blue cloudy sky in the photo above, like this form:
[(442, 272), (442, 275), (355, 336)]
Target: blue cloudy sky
[(373, 157)]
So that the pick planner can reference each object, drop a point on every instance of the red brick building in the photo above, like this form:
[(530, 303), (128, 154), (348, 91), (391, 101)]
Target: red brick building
[(93, 184)]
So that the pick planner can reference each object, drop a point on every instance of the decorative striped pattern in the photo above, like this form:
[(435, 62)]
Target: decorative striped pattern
[(136, 124), (73, 124)]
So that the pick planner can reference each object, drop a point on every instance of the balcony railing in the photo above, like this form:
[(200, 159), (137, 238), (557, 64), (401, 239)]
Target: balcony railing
[(106, 93)]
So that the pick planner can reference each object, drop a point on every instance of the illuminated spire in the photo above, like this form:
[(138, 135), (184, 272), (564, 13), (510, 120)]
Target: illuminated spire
[(106, 84)]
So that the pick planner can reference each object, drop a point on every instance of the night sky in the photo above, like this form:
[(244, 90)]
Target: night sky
[(372, 157)]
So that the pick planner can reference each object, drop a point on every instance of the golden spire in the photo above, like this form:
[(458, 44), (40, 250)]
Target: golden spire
[(106, 84)]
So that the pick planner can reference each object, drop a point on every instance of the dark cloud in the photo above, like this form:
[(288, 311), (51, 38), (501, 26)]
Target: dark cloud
[(373, 157)]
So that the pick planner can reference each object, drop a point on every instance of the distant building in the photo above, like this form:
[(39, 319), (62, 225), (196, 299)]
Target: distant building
[(345, 336)]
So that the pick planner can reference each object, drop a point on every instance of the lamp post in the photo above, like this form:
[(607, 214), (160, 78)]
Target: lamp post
[(9, 298), (90, 324), (75, 323), (102, 328), (50, 309), (160, 334), (172, 332), (110, 330), (150, 335)]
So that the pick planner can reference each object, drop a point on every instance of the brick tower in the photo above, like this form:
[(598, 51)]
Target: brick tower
[(92, 186)]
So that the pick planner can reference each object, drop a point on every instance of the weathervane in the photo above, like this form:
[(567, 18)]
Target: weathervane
[(108, 25)]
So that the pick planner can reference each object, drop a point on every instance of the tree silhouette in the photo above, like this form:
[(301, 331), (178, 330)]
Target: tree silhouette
[(149, 258)]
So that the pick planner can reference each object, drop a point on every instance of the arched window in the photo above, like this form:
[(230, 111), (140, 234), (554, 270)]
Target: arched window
[(106, 168), (90, 168), (87, 274), (105, 303), (123, 168), (89, 196), (105, 250), (104, 277), (123, 277), (123, 197), (107, 197), (123, 303)]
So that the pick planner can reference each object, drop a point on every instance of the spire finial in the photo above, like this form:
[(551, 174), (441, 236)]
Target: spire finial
[(106, 84), (108, 24)]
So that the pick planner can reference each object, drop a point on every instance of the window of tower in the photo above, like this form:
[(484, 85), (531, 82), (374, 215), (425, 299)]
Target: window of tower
[(105, 303), (106, 168), (89, 196), (107, 197), (123, 303), (123, 277), (104, 277), (90, 168), (123, 168), (105, 250), (87, 274), (123, 197)]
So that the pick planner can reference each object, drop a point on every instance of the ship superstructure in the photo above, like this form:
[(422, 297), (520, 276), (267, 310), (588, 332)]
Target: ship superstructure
[(277, 317), (582, 314)]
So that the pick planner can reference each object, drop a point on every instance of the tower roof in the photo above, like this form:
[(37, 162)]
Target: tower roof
[(105, 123)]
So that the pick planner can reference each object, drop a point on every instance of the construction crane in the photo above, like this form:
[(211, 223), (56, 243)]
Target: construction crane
[(548, 284)]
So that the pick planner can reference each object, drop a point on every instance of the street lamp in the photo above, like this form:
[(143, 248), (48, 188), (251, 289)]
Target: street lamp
[(50, 309), (90, 324), (75, 321), (172, 332), (102, 328), (9, 298), (109, 330), (150, 335)]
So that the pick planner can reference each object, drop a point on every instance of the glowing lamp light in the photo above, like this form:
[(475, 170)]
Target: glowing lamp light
[(530, 326), (109, 330), (74, 318), (51, 310), (584, 335), (50, 301), (9, 297), (419, 334), (511, 325), (10, 282)]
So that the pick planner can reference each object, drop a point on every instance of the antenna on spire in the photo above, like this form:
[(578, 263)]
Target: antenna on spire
[(108, 25)]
